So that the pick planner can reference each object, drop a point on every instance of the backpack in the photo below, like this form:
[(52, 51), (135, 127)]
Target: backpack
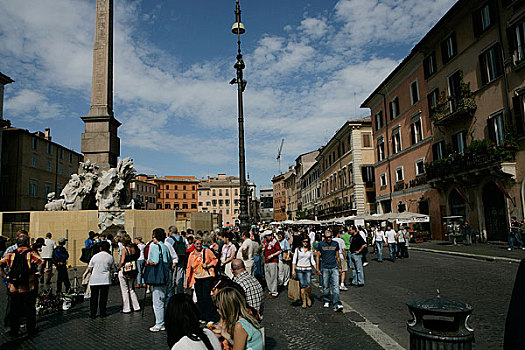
[(146, 250), (87, 253), (179, 246), (217, 268), (19, 271)]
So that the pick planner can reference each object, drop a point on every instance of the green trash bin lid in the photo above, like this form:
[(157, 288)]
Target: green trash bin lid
[(440, 305)]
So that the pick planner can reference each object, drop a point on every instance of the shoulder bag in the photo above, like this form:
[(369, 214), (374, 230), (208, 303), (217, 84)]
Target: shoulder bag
[(129, 269), (157, 275)]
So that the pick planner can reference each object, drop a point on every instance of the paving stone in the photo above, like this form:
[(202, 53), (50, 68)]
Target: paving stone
[(286, 327)]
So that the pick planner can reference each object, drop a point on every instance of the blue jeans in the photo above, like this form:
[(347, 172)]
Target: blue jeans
[(158, 295), (331, 277), (257, 266), (392, 247), (176, 283), (358, 275), (379, 247), (140, 278), (304, 277), (516, 237)]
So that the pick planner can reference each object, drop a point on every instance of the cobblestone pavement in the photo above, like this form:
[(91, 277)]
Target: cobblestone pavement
[(73, 329), (487, 286), (286, 327)]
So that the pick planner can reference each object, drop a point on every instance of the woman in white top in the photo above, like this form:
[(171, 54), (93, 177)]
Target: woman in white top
[(402, 243), (390, 236), (140, 262), (183, 328), (302, 265), (228, 253), (100, 267), (379, 238)]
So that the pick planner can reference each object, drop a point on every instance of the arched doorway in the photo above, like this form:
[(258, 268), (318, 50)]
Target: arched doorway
[(495, 211), (457, 204)]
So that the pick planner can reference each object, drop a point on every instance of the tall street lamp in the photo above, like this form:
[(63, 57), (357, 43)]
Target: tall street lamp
[(238, 29)]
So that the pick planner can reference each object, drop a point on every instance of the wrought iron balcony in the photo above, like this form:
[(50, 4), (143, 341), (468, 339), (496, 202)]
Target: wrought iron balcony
[(480, 159)]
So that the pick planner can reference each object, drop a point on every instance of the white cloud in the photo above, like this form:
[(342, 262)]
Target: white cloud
[(32, 106), (313, 27), (303, 84), (375, 22)]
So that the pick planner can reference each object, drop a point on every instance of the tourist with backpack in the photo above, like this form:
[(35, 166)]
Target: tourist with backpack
[(201, 272), (25, 266), (177, 246)]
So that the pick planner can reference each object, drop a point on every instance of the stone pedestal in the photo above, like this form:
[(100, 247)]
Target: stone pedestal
[(100, 143)]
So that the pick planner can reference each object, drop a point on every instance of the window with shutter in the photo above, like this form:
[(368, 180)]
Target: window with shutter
[(449, 48), (429, 65), (519, 109), (459, 142), (490, 64), (484, 18), (366, 139)]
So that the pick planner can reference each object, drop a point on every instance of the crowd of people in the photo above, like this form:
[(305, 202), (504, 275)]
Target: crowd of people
[(24, 267), (207, 288)]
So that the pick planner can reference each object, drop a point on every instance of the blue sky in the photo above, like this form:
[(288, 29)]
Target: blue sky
[(309, 65)]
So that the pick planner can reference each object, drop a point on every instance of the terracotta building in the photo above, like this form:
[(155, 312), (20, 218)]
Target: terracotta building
[(303, 164), (175, 192), (403, 142), (144, 193), (280, 196), (346, 178), (33, 166), (221, 195), (472, 62)]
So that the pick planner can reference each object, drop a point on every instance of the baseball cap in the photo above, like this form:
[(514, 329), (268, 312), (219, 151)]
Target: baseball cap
[(62, 240)]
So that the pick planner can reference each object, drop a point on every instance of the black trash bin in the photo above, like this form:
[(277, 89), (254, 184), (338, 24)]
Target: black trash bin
[(440, 323)]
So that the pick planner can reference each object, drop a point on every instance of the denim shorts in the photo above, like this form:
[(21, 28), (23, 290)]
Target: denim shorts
[(304, 277)]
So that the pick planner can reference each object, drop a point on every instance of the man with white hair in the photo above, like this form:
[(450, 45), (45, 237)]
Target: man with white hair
[(177, 248)]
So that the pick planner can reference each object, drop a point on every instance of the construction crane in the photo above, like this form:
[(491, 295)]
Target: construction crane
[(279, 154)]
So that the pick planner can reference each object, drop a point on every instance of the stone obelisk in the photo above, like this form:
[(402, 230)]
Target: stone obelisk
[(100, 143)]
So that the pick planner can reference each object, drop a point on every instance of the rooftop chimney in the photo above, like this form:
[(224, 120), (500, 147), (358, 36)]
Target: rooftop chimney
[(47, 134)]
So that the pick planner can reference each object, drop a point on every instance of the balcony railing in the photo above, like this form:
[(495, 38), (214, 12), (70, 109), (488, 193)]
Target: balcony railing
[(449, 108), (477, 156)]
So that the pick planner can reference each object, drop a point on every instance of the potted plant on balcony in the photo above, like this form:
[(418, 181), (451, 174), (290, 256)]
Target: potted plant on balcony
[(507, 149), (463, 103)]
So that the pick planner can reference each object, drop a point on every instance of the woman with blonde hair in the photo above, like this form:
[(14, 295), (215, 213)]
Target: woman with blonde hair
[(237, 325)]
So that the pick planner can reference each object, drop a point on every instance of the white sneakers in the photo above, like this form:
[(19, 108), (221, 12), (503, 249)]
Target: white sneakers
[(338, 308), (156, 328), (365, 263), (343, 287), (326, 305)]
